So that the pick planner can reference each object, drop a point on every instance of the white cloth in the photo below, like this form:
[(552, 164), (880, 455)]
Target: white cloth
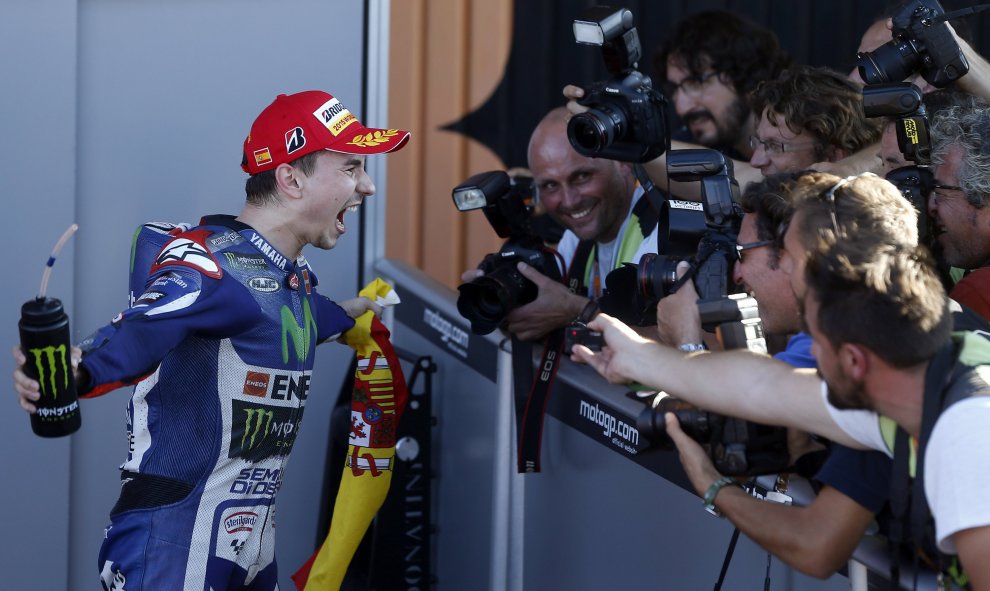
[(956, 472)]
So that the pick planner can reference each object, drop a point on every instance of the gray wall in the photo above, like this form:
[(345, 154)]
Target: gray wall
[(114, 113)]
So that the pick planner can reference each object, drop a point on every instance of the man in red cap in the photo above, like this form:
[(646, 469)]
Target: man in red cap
[(220, 347)]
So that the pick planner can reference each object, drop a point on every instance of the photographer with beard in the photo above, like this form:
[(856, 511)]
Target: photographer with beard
[(878, 317), (706, 68), (819, 538), (709, 64), (959, 205)]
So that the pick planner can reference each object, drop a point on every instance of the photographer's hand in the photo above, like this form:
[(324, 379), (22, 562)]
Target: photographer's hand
[(572, 93), (977, 80), (678, 320), (697, 465), (471, 274), (624, 355), (554, 307), (865, 160)]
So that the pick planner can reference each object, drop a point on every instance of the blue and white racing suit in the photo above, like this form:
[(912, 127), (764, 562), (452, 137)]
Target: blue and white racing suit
[(221, 345)]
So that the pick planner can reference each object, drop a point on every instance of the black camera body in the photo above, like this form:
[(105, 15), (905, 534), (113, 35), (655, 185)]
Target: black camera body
[(486, 300), (921, 43), (904, 104), (626, 117), (704, 235), (735, 446), (578, 333), (707, 239), (916, 184)]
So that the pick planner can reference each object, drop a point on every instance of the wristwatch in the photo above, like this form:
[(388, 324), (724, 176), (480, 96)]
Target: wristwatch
[(588, 313), (712, 492), (691, 347)]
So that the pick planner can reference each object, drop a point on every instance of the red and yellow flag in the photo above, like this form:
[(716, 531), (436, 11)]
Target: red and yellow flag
[(379, 398)]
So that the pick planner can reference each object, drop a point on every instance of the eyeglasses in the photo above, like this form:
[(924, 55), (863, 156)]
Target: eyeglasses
[(935, 195), (741, 248), (691, 85), (830, 198), (776, 147)]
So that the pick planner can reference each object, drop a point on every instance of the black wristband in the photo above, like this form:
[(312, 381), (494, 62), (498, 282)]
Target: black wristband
[(588, 313)]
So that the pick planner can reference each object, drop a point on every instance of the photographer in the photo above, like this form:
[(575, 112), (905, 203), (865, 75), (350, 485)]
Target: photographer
[(885, 317), (819, 538), (598, 202), (976, 81), (959, 203), (808, 115)]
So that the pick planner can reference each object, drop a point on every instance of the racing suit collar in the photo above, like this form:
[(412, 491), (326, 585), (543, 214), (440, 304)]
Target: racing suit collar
[(254, 237)]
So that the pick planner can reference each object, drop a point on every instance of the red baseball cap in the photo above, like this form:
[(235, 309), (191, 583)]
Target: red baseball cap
[(297, 124)]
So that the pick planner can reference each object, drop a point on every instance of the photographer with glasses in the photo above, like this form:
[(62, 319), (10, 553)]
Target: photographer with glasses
[(878, 316), (959, 205), (819, 538), (808, 115)]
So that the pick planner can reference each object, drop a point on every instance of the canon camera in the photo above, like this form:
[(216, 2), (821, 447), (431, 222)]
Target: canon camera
[(922, 43), (507, 204), (626, 117)]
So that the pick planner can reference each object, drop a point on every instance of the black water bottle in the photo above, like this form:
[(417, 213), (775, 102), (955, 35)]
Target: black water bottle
[(44, 328)]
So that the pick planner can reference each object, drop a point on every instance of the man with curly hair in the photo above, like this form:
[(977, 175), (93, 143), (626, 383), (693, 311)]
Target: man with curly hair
[(710, 63), (808, 115)]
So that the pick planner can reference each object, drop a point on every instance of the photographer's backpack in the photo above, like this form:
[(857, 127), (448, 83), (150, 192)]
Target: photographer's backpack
[(912, 525)]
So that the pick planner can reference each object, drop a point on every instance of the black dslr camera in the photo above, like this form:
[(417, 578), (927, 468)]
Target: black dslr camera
[(922, 43), (487, 300), (903, 103), (735, 446), (626, 117), (704, 236)]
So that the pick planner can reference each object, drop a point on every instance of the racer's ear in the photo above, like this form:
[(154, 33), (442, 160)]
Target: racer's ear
[(287, 180)]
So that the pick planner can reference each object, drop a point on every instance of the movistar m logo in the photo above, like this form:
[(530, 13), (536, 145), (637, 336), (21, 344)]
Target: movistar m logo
[(258, 422), (301, 336), (48, 357)]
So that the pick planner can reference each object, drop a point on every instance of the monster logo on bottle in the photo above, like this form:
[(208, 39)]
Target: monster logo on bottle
[(45, 357), (44, 329)]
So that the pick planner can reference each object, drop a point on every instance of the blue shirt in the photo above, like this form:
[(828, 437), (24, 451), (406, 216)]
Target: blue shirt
[(863, 476)]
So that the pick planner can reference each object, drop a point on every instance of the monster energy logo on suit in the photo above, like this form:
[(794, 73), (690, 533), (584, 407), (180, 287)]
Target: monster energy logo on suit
[(260, 432), (47, 354)]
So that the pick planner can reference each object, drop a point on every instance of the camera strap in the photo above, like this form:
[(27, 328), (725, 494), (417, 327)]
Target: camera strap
[(532, 391)]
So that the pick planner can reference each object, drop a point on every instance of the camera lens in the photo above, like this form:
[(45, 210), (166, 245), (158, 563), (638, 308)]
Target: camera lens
[(891, 62), (696, 423), (487, 300), (655, 275), (595, 130)]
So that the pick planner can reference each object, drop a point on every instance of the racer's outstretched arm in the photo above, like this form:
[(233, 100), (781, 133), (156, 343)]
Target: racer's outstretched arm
[(737, 383), (177, 303)]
